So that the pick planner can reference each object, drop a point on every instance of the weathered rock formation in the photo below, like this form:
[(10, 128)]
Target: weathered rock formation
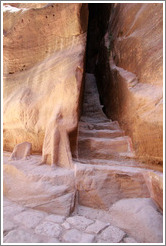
[(44, 51), (126, 52), (48, 108)]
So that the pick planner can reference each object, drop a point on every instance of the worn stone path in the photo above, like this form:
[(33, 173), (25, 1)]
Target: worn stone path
[(25, 225)]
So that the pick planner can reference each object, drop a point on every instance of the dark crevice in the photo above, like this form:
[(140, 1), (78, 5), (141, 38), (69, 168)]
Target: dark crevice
[(98, 24), (97, 55)]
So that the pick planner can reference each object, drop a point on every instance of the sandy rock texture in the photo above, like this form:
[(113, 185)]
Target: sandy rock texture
[(139, 218), (130, 71), (44, 49)]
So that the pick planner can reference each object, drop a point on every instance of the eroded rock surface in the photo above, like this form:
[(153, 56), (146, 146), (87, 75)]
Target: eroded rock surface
[(127, 50), (43, 67), (37, 92)]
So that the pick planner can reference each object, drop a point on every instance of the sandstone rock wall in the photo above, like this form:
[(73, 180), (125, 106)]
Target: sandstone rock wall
[(43, 52), (130, 74)]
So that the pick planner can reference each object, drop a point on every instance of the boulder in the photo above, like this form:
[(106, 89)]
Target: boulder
[(21, 151)]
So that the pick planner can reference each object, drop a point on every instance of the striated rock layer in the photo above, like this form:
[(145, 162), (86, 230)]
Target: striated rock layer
[(129, 70), (44, 51)]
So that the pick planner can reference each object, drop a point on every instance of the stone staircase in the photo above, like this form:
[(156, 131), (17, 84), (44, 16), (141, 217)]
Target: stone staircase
[(99, 137), (106, 170)]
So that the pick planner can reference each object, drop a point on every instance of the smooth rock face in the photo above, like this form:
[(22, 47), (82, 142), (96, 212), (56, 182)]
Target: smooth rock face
[(137, 59), (131, 80), (43, 67), (138, 116), (139, 218)]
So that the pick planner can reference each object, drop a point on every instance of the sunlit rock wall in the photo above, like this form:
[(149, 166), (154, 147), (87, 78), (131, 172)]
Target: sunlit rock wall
[(43, 50)]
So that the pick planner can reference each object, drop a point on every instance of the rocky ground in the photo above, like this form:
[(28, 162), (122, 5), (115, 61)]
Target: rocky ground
[(86, 225)]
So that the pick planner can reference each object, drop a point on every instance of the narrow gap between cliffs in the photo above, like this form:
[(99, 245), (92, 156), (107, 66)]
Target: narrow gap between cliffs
[(97, 55)]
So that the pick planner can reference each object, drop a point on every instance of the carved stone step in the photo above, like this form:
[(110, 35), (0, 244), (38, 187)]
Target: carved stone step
[(128, 162), (114, 125), (100, 186), (93, 120), (91, 147), (101, 133)]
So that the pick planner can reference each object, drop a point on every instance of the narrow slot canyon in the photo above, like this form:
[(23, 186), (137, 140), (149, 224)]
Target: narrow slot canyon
[(83, 122), (113, 56)]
